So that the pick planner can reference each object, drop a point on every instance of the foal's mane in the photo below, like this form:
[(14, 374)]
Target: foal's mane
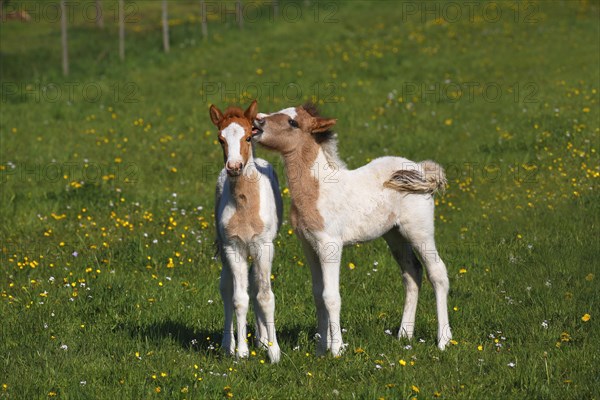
[(327, 139)]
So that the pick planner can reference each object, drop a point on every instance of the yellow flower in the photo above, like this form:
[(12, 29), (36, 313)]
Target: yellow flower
[(480, 348), (351, 265), (402, 362), (453, 342), (448, 122), (589, 277), (259, 71), (586, 317), (586, 109), (415, 389), (462, 271), (157, 389)]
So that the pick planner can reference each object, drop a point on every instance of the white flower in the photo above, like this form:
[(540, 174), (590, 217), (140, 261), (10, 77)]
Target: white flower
[(511, 364), (64, 347), (388, 332), (545, 324)]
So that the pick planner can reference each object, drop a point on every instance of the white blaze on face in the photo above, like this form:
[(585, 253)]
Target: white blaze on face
[(290, 112), (233, 134)]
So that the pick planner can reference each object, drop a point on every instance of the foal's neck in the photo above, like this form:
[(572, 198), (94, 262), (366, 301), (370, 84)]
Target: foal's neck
[(244, 188), (304, 186)]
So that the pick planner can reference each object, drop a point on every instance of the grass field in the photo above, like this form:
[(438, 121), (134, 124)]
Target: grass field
[(108, 285)]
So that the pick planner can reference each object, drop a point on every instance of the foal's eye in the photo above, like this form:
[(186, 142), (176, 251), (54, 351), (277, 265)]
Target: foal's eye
[(249, 139), (293, 123)]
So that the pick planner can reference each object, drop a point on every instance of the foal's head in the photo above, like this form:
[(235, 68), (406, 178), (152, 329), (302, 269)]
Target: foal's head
[(235, 135), (286, 130)]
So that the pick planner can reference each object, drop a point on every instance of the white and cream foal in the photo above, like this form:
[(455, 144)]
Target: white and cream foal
[(248, 211), (333, 206)]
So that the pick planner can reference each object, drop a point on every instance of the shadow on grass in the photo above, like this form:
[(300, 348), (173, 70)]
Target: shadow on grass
[(193, 339), (184, 335)]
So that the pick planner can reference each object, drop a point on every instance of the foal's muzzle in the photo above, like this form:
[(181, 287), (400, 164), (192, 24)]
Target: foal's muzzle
[(257, 127), (234, 168)]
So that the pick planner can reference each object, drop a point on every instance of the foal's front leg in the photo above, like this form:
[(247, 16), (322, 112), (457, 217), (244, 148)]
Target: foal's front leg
[(226, 288), (236, 258), (265, 299), (330, 256), (313, 261)]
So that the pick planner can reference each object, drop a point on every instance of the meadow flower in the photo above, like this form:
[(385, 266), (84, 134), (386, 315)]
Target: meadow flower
[(586, 317)]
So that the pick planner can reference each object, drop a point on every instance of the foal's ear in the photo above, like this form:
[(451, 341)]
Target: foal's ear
[(216, 116), (252, 110), (323, 124)]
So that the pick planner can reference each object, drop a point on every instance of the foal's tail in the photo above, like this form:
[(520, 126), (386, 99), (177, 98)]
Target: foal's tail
[(430, 180)]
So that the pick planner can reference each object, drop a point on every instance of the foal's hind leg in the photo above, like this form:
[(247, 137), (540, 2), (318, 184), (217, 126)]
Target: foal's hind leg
[(418, 230), (412, 275)]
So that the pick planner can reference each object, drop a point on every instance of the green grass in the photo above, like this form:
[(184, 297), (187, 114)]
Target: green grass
[(137, 306)]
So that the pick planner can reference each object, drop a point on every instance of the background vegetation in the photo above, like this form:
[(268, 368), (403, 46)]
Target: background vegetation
[(108, 284)]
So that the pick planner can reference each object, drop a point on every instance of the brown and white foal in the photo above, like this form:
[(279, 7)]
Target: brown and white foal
[(248, 211), (333, 206)]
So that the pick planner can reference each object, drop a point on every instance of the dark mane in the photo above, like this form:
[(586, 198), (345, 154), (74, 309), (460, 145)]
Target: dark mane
[(233, 112), (313, 111)]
